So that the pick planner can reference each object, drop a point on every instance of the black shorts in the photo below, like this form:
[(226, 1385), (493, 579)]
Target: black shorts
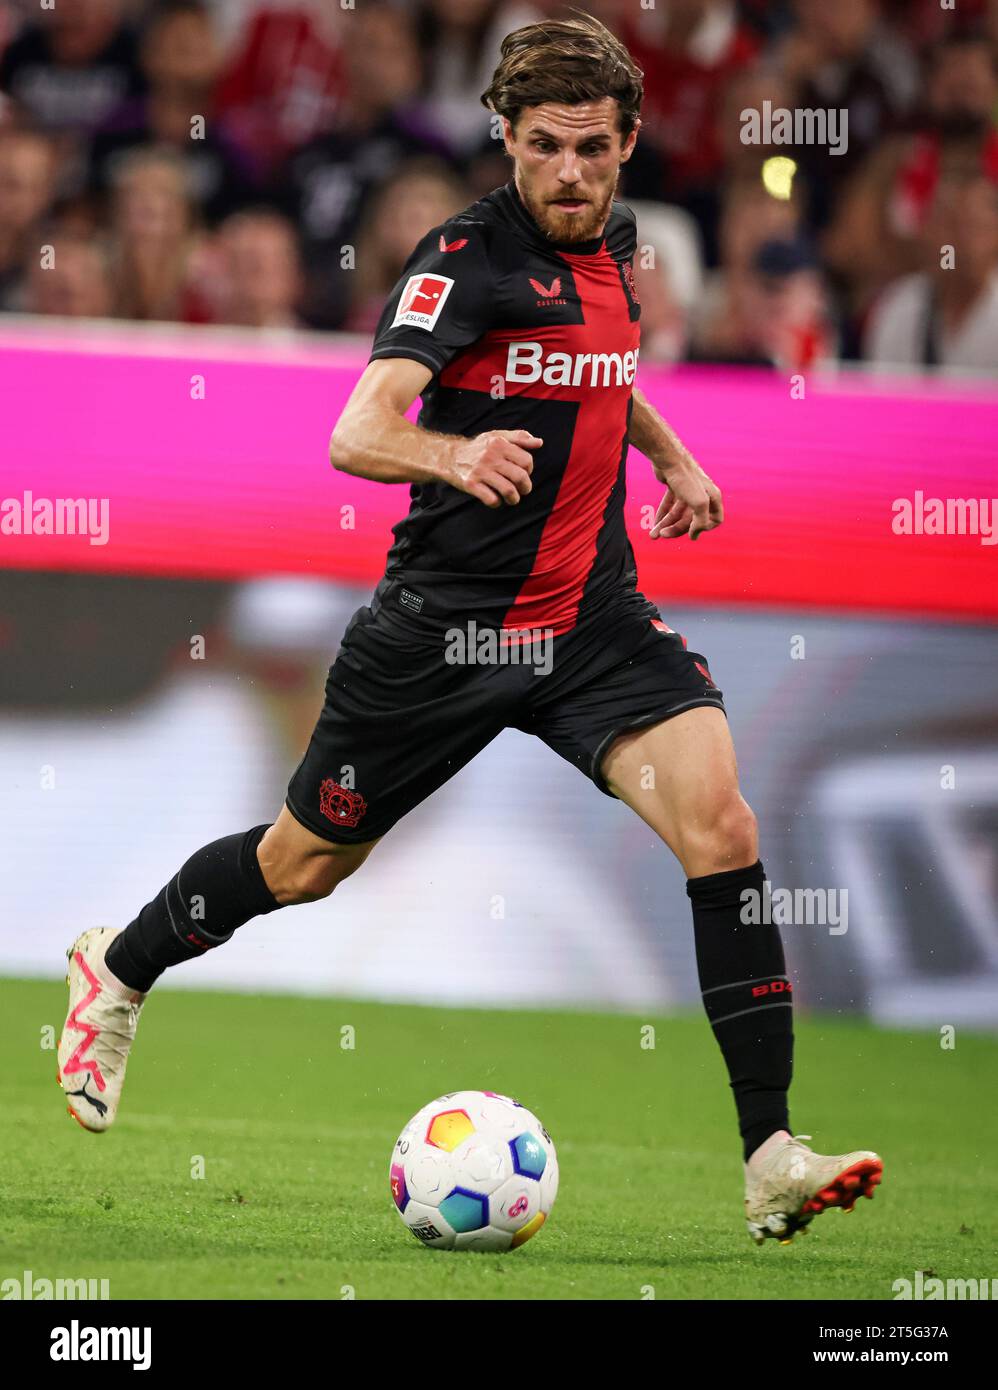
[(406, 709)]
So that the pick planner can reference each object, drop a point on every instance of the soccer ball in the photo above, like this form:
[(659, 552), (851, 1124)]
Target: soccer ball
[(474, 1171)]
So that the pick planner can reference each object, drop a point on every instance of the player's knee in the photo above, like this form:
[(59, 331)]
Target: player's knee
[(727, 839), (740, 833)]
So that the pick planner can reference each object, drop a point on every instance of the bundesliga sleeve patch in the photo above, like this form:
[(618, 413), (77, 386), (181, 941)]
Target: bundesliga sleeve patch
[(422, 299)]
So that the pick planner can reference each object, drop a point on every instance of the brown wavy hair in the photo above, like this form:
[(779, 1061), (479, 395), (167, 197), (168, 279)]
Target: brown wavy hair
[(567, 61)]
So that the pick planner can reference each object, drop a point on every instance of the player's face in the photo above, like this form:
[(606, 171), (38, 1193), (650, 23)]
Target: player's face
[(567, 163)]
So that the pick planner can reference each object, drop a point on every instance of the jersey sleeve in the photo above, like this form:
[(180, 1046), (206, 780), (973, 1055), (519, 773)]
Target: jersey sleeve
[(442, 302)]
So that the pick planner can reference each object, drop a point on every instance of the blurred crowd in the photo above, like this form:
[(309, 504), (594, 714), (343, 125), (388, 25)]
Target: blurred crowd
[(271, 163)]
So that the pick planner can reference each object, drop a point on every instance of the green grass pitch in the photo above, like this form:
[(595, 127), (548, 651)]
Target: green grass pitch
[(295, 1132)]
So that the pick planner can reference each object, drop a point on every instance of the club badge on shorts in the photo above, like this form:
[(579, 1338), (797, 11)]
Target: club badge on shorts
[(339, 804)]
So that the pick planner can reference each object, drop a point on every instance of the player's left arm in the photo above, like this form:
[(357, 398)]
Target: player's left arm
[(692, 502)]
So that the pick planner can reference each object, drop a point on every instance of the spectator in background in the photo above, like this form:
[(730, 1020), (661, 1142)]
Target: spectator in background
[(750, 218), (77, 282), (489, 167), (794, 307), (769, 18), (779, 312), (154, 238), (668, 275), (840, 57), (689, 51), (417, 198), (14, 16), (181, 61), (72, 67), (258, 277), (946, 315), (749, 90), (664, 328), (285, 84), (377, 128), (876, 233), (459, 42), (27, 185), (741, 161), (923, 23)]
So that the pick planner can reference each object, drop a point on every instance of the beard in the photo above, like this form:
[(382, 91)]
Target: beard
[(565, 226)]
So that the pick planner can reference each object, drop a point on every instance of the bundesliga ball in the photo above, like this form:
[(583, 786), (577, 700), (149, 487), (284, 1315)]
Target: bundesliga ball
[(474, 1171)]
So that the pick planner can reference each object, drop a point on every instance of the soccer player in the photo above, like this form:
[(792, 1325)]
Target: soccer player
[(517, 324)]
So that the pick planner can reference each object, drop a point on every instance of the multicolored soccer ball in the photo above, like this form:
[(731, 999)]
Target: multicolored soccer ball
[(474, 1171)]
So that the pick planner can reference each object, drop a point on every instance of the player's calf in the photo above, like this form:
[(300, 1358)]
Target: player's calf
[(217, 890), (697, 809), (299, 867), (221, 887)]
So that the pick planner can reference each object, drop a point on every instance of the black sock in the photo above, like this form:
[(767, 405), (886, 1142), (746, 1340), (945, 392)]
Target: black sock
[(747, 997), (218, 889)]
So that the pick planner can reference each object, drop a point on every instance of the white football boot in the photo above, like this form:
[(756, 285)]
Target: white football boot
[(98, 1033), (787, 1185)]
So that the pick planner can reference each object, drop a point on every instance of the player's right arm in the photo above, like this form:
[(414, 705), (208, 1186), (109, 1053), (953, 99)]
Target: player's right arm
[(373, 439), (442, 304)]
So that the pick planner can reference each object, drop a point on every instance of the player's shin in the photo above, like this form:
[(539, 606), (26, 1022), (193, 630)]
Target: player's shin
[(747, 996), (219, 889)]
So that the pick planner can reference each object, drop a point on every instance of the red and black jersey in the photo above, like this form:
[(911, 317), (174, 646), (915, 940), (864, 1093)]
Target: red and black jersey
[(521, 333)]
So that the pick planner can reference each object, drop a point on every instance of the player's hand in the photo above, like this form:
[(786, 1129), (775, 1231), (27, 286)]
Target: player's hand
[(692, 503), (494, 467)]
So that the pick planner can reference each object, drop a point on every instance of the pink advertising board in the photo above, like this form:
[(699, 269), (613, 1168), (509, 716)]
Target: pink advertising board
[(237, 482)]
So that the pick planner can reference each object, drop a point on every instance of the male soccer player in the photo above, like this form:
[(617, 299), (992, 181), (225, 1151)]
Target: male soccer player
[(517, 324)]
